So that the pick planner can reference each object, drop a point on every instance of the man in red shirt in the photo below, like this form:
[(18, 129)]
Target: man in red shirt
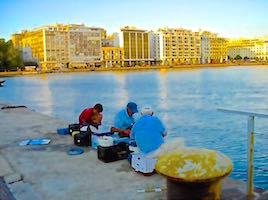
[(91, 116)]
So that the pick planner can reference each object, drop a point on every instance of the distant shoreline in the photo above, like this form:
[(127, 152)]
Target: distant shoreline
[(159, 67)]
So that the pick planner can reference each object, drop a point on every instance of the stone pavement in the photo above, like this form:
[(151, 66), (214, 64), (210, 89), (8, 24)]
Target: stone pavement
[(47, 172)]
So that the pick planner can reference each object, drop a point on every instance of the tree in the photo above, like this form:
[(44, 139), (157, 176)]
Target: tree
[(238, 57), (10, 59), (246, 58)]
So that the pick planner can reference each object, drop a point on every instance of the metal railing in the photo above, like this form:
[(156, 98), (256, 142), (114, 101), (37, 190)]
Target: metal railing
[(251, 116)]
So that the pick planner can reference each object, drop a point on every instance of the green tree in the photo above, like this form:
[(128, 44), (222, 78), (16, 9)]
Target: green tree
[(10, 58), (238, 57)]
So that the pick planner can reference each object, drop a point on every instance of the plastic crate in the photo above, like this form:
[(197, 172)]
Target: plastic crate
[(140, 163), (113, 153)]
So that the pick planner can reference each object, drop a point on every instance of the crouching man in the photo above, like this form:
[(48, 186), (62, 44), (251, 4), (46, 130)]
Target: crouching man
[(124, 120), (149, 133), (91, 116)]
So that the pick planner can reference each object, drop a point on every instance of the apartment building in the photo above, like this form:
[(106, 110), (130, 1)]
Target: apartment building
[(213, 48), (27, 55), (136, 46), (112, 56), (116, 39), (256, 49), (154, 43), (85, 46), (179, 46), (57, 46)]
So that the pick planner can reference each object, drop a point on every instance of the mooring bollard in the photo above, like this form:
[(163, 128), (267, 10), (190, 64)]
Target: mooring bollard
[(194, 173)]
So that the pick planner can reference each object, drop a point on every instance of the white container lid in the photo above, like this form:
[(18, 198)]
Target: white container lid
[(106, 141)]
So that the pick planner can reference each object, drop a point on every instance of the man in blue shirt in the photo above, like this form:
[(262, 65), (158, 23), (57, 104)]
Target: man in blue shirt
[(148, 132), (124, 120)]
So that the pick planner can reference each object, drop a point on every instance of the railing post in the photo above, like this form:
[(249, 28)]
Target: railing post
[(250, 155)]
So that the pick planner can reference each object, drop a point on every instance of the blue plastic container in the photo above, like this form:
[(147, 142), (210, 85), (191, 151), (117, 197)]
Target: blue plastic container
[(63, 131), (94, 141)]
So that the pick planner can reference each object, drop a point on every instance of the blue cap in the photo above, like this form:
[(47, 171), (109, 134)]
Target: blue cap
[(133, 107)]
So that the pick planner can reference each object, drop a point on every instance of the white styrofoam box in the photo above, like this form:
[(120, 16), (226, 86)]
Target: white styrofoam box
[(141, 163)]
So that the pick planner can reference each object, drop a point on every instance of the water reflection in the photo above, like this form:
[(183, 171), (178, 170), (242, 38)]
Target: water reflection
[(42, 97), (121, 91), (162, 98)]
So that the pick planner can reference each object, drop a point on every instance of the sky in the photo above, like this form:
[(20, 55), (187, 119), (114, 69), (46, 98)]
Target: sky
[(229, 18)]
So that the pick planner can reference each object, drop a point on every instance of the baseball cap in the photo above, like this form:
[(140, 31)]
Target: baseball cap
[(133, 107)]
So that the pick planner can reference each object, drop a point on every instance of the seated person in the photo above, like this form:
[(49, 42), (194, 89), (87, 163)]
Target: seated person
[(149, 133), (91, 116), (124, 120)]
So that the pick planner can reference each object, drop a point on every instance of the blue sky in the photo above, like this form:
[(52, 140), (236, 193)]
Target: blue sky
[(229, 18)]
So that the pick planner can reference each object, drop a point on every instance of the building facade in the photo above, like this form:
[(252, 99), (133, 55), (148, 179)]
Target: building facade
[(136, 46), (154, 42), (27, 55), (112, 56), (253, 49), (116, 39), (213, 48), (205, 47), (179, 46), (85, 46), (218, 49), (58, 46)]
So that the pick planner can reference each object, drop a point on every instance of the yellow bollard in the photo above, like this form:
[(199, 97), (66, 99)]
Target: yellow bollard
[(194, 173)]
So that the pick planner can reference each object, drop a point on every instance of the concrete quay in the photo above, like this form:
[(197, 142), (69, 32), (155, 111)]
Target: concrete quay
[(48, 172)]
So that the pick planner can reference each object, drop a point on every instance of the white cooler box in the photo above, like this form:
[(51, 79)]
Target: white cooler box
[(142, 164)]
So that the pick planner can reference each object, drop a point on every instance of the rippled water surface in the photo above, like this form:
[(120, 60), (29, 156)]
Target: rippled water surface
[(186, 101)]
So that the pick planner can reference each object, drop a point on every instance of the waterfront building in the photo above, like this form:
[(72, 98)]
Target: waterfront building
[(57, 46), (241, 47), (112, 56), (116, 39), (248, 49), (154, 42), (108, 42), (213, 48), (136, 46), (27, 55), (179, 46), (112, 53), (205, 47), (46, 43), (85, 45)]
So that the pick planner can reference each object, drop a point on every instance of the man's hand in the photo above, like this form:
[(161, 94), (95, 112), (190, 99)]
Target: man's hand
[(126, 132), (120, 131), (113, 129)]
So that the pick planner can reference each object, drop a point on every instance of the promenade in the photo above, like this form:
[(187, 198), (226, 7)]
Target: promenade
[(133, 68), (48, 172)]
